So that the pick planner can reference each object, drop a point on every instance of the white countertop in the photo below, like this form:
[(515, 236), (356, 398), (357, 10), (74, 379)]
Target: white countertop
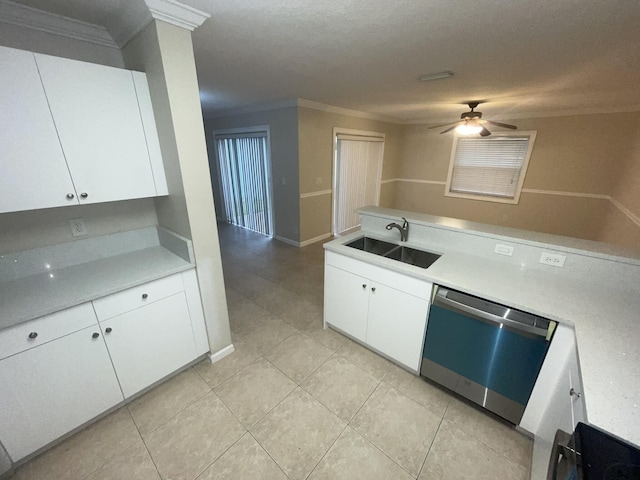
[(30, 297), (41, 281), (606, 318)]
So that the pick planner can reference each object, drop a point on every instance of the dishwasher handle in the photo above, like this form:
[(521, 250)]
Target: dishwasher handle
[(443, 301)]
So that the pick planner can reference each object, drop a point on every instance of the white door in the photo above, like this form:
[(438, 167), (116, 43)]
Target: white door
[(33, 171), (49, 390), (346, 301), (96, 113), (358, 169), (397, 324), (150, 342)]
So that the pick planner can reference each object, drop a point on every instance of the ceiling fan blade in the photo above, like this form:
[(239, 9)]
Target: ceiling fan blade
[(443, 125), (484, 132), (450, 128), (503, 125)]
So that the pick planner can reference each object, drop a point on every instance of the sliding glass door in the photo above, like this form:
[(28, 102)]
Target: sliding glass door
[(243, 167)]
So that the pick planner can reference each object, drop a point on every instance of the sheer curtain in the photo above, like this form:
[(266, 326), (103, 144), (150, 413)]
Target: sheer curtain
[(244, 176), (358, 171)]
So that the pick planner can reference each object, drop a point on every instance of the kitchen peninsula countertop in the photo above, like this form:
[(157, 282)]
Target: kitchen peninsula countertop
[(86, 272), (603, 307)]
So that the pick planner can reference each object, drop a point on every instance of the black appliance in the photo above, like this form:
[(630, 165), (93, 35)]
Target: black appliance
[(593, 454)]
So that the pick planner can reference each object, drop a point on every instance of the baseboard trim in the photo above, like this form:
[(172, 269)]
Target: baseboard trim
[(288, 241), (635, 219), (315, 239), (220, 354)]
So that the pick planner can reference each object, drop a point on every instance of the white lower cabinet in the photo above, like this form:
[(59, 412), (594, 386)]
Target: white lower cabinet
[(346, 302), (385, 310), (51, 389), (150, 342), (62, 370)]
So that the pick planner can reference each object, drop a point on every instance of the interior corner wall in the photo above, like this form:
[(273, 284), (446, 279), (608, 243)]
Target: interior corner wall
[(623, 227), (283, 128), (165, 53), (567, 158), (315, 134)]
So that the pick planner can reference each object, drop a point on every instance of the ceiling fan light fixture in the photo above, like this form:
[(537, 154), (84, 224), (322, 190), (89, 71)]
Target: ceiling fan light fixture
[(436, 76), (469, 128)]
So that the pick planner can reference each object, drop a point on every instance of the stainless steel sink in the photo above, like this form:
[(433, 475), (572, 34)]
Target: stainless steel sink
[(412, 256), (419, 258), (371, 245)]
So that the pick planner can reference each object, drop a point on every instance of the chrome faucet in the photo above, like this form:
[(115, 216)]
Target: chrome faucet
[(404, 229)]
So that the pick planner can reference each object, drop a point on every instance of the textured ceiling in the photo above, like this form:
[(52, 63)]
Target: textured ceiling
[(526, 58)]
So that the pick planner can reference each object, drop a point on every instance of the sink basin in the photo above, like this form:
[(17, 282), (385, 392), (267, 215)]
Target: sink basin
[(419, 258), (412, 256), (371, 245)]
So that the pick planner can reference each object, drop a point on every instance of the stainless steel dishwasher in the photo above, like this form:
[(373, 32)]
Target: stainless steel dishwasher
[(486, 352)]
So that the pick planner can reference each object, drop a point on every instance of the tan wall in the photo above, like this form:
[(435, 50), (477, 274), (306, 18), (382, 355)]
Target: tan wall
[(283, 125), (315, 136), (589, 154)]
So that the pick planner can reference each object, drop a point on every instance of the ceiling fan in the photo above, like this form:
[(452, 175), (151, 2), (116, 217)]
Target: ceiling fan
[(471, 123)]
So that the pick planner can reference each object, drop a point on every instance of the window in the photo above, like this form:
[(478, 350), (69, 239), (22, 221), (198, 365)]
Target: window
[(490, 168)]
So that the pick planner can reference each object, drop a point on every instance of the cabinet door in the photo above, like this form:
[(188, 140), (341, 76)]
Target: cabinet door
[(33, 171), (149, 343), (95, 110), (49, 390), (397, 323), (346, 299)]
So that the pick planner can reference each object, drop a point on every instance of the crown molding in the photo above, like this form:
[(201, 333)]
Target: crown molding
[(263, 107), (34, 19), (137, 15), (301, 102)]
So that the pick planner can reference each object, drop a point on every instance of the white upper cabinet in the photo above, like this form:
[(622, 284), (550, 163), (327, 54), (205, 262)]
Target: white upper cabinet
[(96, 113), (33, 172)]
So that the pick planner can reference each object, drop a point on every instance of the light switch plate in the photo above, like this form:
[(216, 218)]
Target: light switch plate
[(77, 227)]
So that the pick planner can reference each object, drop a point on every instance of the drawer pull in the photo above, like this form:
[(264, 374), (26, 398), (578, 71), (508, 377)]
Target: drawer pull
[(373, 289), (33, 335), (70, 196), (108, 329), (95, 335), (364, 285), (573, 392), (144, 296), (84, 195)]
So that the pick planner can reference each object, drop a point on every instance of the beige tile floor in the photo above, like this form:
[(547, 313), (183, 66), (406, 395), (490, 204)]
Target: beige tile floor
[(293, 401)]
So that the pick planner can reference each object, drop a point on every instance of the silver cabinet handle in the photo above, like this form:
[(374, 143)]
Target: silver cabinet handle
[(364, 285), (33, 335), (84, 195), (373, 289), (70, 196), (575, 393)]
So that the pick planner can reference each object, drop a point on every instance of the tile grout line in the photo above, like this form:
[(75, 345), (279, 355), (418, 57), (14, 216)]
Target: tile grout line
[(146, 447)]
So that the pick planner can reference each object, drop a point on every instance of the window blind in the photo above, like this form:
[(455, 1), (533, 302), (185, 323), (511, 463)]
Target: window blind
[(488, 166), (244, 170), (358, 172)]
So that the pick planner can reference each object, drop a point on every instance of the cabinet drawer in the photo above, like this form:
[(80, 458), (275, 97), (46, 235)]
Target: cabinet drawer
[(17, 339), (127, 300)]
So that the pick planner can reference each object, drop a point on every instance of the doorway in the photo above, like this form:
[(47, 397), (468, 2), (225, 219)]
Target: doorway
[(358, 157), (244, 172)]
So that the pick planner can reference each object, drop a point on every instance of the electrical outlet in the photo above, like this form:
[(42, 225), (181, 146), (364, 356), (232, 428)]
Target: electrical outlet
[(284, 181), (503, 250), (318, 180), (77, 227), (552, 259)]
